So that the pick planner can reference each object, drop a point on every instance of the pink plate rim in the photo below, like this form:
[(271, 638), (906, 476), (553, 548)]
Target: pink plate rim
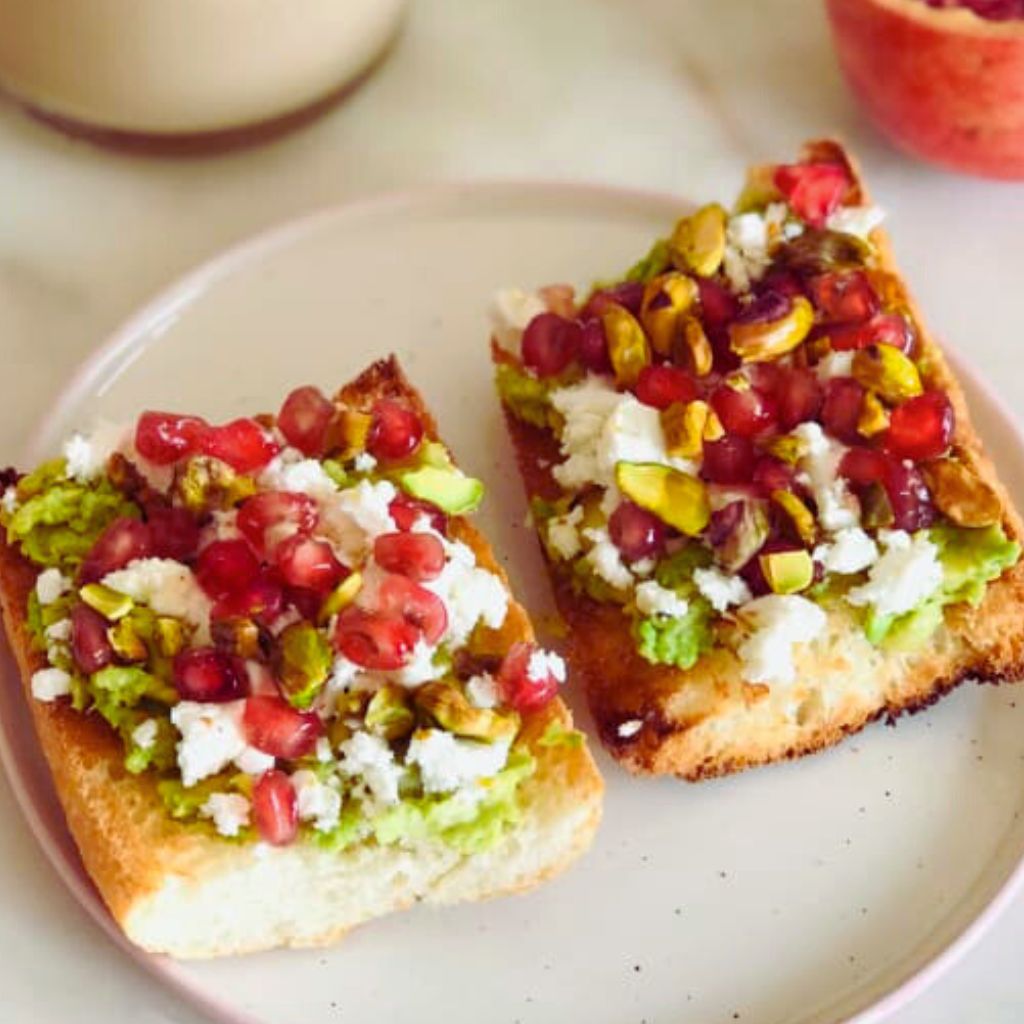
[(161, 310)]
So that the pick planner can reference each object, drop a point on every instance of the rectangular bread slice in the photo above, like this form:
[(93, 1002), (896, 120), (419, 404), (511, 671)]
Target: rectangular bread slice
[(710, 719), (191, 893)]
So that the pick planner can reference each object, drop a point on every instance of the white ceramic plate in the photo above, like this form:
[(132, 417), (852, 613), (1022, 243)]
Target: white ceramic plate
[(801, 894)]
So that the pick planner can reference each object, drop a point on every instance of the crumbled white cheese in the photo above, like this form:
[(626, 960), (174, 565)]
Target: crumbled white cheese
[(746, 250), (60, 631), (254, 762), (721, 589), (223, 526), (851, 550), (563, 533), (780, 223), (229, 811), (353, 518), (543, 664), (855, 220), (50, 585), (907, 573), (482, 691), (291, 470), (654, 599), (168, 587), (629, 729), (324, 754), (837, 507), (316, 801), (606, 560), (419, 668), (87, 456), (511, 311), (447, 763), (778, 622), (371, 759), (835, 364), (470, 594), (50, 683), (364, 463), (211, 737), (144, 734), (633, 433), (9, 500)]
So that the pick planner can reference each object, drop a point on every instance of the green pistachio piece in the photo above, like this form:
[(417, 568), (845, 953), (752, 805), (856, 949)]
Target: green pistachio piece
[(691, 348), (341, 597), (874, 417), (746, 538), (764, 340), (876, 510), (684, 425), (449, 489), (169, 635), (674, 497), (450, 708), (886, 370), (203, 484), (389, 713), (628, 347), (816, 251), (961, 494), (667, 299), (302, 662), (799, 515), (127, 643), (698, 241), (237, 635), (787, 572), (111, 604), (347, 433)]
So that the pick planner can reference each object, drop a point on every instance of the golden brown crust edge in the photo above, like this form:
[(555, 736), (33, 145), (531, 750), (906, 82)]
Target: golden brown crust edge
[(128, 844), (682, 712)]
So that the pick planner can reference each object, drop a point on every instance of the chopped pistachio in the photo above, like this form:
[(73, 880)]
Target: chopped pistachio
[(450, 708), (169, 635), (692, 348), (628, 347), (874, 417), (961, 494), (759, 341), (302, 662), (127, 643), (203, 484), (389, 713), (876, 509), (667, 298), (683, 425), (787, 572), (787, 448), (799, 515), (746, 537), (341, 597), (347, 433), (111, 604), (237, 635), (817, 250), (886, 370), (698, 241), (674, 497)]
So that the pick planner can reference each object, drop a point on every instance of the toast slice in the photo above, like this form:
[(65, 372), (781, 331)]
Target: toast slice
[(723, 711), (182, 888)]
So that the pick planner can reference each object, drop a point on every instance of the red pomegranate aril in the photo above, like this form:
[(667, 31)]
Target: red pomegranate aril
[(262, 600), (165, 437), (843, 298), (594, 347), (636, 532), (718, 305), (550, 344), (90, 648), (515, 685), (306, 602), (407, 512), (922, 427), (243, 444), (746, 412), (395, 431), (767, 307), (379, 642), (629, 294), (883, 328), (813, 191), (123, 541), (841, 409), (275, 808), (863, 466), (226, 567), (729, 460), (771, 474), (400, 598), (305, 562), (661, 386), (206, 674), (420, 556), (909, 497), (783, 282), (275, 727), (174, 532), (304, 418), (798, 396), (268, 518)]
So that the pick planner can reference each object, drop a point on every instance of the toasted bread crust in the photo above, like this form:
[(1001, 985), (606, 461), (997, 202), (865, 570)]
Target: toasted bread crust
[(707, 721), (139, 858)]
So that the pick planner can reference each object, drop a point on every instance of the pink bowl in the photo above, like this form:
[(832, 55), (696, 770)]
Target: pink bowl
[(943, 84)]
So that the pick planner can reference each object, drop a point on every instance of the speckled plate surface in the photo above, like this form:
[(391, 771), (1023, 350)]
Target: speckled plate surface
[(825, 890)]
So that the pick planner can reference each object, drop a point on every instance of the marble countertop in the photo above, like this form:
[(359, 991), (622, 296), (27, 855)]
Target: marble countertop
[(673, 95)]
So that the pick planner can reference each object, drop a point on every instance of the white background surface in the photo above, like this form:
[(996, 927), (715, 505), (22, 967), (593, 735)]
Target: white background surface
[(663, 94)]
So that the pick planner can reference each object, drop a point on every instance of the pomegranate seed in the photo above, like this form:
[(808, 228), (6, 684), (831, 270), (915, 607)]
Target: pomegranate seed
[(275, 808), (400, 598), (407, 511), (90, 647), (798, 396), (304, 418), (206, 674), (262, 599), (629, 294), (270, 517), (165, 437), (863, 466), (766, 308), (308, 563), (744, 412), (883, 328), (420, 556), (636, 532), (275, 727), (550, 344), (594, 347), (518, 690), (174, 532), (395, 432), (374, 641), (660, 386), (729, 460), (813, 191), (909, 498), (843, 298), (226, 567), (752, 572), (724, 522), (306, 602), (123, 541), (772, 474), (921, 428), (783, 282), (243, 444), (718, 305), (841, 408)]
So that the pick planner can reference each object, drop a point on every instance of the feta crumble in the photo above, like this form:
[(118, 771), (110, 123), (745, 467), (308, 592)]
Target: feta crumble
[(144, 734), (629, 729), (907, 573), (511, 311), (606, 560), (168, 587), (370, 758), (364, 463), (211, 737), (721, 589), (470, 594), (837, 507), (51, 584), (482, 691), (50, 683), (447, 763), (543, 664), (779, 622), (229, 812), (563, 533), (654, 599), (850, 551), (316, 801), (86, 457), (254, 762), (9, 500), (835, 364), (855, 220), (353, 518), (291, 470), (746, 250)]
